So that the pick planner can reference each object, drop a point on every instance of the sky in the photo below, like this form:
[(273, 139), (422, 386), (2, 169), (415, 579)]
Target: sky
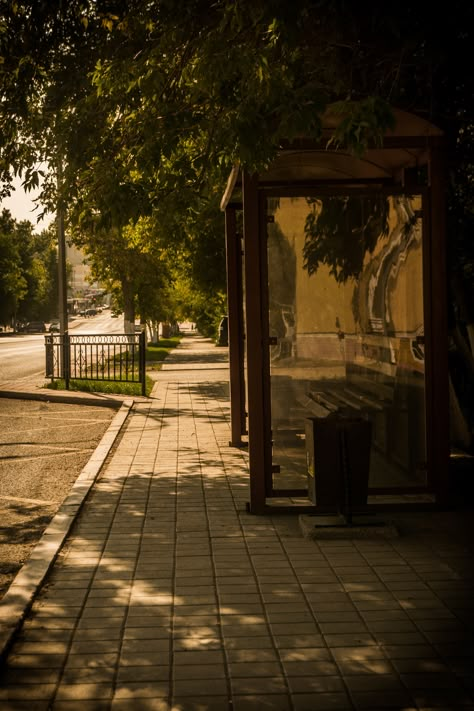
[(21, 206)]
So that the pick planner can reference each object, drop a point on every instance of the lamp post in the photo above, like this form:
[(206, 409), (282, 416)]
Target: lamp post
[(62, 281)]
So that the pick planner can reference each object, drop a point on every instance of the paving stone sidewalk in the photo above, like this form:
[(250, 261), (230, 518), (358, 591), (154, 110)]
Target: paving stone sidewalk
[(169, 596)]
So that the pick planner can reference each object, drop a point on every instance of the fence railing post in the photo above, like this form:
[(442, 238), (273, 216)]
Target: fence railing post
[(142, 357), (67, 359), (49, 365), (95, 357)]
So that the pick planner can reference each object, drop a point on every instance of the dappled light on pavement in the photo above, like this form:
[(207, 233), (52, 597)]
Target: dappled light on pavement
[(168, 595)]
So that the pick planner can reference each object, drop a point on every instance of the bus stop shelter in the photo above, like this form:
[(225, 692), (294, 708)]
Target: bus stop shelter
[(338, 323)]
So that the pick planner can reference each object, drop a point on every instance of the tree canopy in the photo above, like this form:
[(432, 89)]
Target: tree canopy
[(146, 104), (28, 271)]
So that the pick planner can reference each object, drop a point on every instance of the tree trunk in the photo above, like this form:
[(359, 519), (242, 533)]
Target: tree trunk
[(153, 331), (128, 307)]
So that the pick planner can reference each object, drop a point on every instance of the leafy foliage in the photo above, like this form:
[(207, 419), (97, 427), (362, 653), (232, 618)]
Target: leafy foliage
[(133, 265), (148, 103), (28, 271), (339, 230)]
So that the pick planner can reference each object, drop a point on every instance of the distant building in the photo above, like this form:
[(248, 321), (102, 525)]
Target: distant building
[(82, 292), (80, 272)]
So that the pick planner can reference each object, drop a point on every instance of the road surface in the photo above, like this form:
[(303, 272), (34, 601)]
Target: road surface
[(22, 356), (43, 449)]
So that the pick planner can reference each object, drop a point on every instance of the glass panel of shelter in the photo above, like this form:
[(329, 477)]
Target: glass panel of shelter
[(346, 320)]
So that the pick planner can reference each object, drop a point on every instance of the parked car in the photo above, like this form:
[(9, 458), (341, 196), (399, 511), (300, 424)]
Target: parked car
[(35, 327), (54, 326)]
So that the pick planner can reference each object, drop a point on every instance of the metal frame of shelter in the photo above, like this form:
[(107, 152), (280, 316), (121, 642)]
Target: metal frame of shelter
[(415, 147)]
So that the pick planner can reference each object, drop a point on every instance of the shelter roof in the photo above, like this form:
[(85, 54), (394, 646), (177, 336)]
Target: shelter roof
[(406, 146)]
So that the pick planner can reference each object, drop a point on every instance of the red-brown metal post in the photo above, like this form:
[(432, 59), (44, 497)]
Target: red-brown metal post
[(255, 357), (437, 404), (235, 328)]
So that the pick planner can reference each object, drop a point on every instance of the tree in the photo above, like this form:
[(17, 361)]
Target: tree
[(149, 102), (152, 102), (132, 265), (13, 284), (28, 271), (176, 91)]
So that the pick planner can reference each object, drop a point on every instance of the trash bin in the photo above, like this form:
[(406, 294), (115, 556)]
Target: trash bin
[(338, 462)]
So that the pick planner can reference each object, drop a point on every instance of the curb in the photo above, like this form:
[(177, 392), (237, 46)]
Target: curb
[(19, 597), (53, 395)]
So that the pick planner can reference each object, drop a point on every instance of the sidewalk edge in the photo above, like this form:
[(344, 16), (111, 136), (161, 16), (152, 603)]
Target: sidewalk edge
[(19, 597), (60, 396)]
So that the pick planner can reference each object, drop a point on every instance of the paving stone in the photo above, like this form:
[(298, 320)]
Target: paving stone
[(222, 609), (139, 704), (309, 684), (150, 672), (31, 692), (312, 668), (95, 645), (254, 668), (82, 705), (273, 702), (36, 661), (258, 685), (199, 687), (199, 657), (18, 705), (199, 671), (305, 654), (332, 701), (88, 675), (83, 690), (141, 690), (197, 643), (92, 661), (201, 703)]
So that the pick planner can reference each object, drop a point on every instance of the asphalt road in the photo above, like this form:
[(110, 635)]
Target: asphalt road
[(22, 355), (43, 448)]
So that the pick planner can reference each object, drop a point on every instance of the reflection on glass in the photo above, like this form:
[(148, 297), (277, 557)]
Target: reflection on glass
[(346, 308)]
